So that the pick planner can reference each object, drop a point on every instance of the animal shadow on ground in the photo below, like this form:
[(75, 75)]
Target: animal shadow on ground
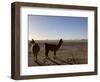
[(59, 59), (39, 63), (54, 61)]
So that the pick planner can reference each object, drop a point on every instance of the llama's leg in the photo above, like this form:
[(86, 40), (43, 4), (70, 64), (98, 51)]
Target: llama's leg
[(54, 54), (34, 57), (46, 53), (34, 54)]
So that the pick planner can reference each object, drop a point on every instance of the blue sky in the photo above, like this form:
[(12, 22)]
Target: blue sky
[(56, 27)]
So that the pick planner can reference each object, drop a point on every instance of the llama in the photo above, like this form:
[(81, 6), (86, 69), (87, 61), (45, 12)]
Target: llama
[(35, 49), (52, 47)]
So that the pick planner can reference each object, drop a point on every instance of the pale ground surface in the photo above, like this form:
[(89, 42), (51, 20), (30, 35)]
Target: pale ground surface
[(71, 52)]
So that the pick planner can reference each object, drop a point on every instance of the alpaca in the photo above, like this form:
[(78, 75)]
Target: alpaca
[(35, 49), (52, 47)]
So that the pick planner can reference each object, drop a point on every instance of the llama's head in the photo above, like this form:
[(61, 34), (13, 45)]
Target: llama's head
[(61, 41), (32, 42)]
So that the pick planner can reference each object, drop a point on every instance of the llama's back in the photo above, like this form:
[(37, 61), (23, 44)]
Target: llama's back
[(50, 46)]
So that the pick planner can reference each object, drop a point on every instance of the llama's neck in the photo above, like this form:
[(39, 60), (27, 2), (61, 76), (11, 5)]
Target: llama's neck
[(33, 44), (59, 45)]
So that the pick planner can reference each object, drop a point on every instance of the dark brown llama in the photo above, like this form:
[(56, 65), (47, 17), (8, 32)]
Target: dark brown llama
[(35, 49), (52, 47)]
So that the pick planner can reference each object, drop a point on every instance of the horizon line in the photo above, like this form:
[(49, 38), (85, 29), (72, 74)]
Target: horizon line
[(59, 39)]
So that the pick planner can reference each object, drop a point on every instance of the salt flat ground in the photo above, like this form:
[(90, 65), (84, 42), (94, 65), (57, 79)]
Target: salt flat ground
[(71, 52)]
